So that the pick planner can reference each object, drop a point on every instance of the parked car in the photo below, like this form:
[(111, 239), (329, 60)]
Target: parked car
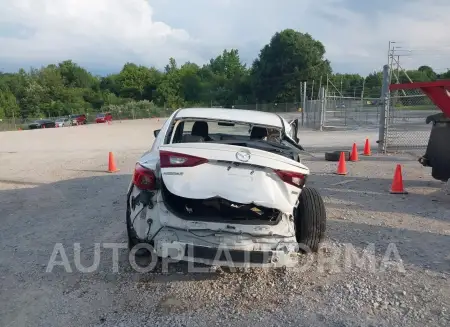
[(42, 123), (212, 178), (78, 119), (103, 117), (63, 122)]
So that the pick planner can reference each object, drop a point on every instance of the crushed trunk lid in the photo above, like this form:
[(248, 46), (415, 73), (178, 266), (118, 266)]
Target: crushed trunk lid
[(238, 174)]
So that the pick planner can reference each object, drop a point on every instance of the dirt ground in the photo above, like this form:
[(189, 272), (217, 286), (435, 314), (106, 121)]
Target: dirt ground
[(54, 188)]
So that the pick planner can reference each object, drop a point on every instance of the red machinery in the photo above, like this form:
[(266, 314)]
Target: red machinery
[(437, 155)]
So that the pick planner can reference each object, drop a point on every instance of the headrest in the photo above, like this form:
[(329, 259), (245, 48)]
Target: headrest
[(200, 128), (258, 133)]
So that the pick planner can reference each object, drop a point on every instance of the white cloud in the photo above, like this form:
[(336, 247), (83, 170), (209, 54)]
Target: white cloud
[(420, 28), (104, 30), (110, 32)]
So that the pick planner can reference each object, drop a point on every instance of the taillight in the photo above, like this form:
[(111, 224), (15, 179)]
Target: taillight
[(144, 178), (291, 177), (170, 159)]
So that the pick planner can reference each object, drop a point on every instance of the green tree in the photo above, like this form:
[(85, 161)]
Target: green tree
[(169, 90), (428, 71), (76, 76), (9, 107), (228, 78), (445, 75), (137, 82), (351, 85), (372, 85), (289, 58)]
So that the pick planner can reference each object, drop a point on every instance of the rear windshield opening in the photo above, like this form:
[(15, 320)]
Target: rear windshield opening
[(266, 138), (188, 131)]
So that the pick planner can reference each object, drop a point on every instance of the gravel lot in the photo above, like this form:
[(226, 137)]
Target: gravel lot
[(54, 189)]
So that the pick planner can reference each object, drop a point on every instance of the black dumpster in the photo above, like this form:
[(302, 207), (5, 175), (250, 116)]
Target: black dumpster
[(437, 155)]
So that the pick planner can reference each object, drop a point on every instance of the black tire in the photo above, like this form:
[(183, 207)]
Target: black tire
[(439, 171), (310, 219), (335, 155)]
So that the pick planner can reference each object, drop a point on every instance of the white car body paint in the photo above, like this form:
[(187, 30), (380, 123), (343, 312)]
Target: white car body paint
[(171, 235), (243, 184)]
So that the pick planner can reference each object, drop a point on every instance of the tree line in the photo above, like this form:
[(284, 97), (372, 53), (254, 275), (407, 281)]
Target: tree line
[(275, 76)]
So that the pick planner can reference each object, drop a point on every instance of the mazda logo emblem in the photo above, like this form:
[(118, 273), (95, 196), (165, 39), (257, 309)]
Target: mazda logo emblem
[(243, 156)]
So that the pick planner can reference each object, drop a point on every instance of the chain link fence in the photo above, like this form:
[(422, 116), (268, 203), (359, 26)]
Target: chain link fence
[(308, 112), (351, 112), (403, 118), (406, 129)]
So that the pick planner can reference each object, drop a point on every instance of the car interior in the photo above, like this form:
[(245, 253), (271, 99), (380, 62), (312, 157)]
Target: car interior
[(200, 133), (241, 135)]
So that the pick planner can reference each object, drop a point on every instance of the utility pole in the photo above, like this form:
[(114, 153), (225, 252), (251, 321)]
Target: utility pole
[(390, 59), (312, 91), (394, 58)]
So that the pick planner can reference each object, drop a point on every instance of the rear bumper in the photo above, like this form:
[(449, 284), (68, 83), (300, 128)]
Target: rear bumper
[(211, 243), (226, 256)]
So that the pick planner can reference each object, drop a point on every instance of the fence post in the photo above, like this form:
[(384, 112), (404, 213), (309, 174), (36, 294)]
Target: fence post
[(304, 104), (384, 114), (322, 107)]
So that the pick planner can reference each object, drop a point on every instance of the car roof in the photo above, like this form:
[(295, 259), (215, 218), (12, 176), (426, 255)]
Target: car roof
[(240, 115)]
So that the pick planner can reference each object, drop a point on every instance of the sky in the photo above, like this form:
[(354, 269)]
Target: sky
[(102, 35)]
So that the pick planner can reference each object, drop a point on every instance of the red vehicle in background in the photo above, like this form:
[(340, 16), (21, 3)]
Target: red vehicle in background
[(78, 119), (103, 117)]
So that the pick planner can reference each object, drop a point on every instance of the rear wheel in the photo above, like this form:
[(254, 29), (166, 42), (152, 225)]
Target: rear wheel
[(310, 219)]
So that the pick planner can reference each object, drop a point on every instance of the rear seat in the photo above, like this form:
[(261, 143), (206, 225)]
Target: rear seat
[(188, 138)]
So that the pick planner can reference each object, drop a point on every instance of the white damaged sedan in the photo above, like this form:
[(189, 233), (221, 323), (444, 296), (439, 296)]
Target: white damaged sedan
[(225, 187)]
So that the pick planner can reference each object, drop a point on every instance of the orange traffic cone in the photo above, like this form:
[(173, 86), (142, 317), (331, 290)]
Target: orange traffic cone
[(112, 164), (354, 153), (397, 182), (342, 167), (367, 148)]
